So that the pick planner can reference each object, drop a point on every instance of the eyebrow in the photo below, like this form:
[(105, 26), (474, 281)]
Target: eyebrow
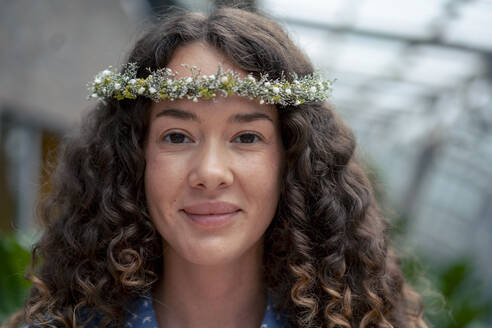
[(236, 118), (178, 113)]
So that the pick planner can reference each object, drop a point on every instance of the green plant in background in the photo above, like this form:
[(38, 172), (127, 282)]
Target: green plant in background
[(465, 303), (13, 286), (454, 295)]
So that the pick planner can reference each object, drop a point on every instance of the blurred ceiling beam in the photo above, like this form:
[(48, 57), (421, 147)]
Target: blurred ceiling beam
[(434, 41), (243, 4)]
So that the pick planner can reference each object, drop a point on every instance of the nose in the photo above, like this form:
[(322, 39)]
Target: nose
[(211, 170)]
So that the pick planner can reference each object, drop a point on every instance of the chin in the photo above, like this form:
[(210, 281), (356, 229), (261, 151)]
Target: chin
[(211, 260)]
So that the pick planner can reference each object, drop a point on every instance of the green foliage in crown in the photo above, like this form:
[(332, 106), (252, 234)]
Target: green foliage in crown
[(164, 84)]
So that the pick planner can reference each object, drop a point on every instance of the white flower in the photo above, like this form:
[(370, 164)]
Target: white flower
[(109, 83)]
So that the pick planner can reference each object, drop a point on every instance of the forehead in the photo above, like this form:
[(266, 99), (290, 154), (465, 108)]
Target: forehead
[(203, 56), (208, 59)]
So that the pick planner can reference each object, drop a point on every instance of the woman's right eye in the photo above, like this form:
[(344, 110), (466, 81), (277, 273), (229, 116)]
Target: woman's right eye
[(176, 138)]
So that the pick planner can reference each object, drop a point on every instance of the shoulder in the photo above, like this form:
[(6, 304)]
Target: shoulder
[(273, 318), (140, 313)]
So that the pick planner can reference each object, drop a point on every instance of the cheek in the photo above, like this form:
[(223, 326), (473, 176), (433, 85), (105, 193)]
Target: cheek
[(163, 180), (261, 179)]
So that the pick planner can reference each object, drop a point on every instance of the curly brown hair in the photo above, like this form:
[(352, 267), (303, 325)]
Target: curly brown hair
[(328, 260)]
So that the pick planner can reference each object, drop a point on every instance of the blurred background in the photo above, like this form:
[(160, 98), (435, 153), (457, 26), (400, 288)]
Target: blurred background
[(414, 81)]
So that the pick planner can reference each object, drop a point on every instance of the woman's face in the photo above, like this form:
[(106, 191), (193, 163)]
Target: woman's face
[(213, 168)]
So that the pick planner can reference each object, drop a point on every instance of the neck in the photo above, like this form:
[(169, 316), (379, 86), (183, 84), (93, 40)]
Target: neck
[(224, 295)]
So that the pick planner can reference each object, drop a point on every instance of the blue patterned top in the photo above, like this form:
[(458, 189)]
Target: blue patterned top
[(141, 315)]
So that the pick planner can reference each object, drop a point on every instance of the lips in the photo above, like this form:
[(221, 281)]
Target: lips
[(212, 215), (211, 208)]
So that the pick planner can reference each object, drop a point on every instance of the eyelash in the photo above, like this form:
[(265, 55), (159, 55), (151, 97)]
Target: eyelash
[(165, 137)]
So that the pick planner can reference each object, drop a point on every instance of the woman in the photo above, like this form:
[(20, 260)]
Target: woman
[(220, 212)]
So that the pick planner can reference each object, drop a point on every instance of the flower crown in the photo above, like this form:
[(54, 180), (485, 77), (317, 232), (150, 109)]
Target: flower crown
[(163, 84)]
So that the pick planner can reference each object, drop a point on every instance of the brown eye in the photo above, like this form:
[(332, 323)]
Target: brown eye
[(248, 138), (176, 138)]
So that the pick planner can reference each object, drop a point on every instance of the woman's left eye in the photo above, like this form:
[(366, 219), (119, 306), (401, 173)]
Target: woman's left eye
[(248, 138)]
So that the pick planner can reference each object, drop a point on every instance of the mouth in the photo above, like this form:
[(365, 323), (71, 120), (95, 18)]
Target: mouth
[(212, 220)]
